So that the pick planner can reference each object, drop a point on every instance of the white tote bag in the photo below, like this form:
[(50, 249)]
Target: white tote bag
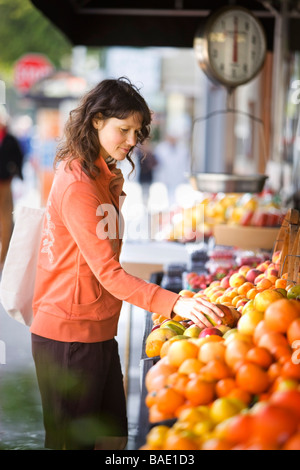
[(19, 271)]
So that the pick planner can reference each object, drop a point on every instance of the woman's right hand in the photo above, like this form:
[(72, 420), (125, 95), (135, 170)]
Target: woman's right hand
[(197, 309)]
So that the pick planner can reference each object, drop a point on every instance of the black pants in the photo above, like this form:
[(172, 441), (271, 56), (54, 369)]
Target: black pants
[(82, 392)]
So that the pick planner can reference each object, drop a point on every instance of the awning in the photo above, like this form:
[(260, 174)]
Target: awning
[(150, 23)]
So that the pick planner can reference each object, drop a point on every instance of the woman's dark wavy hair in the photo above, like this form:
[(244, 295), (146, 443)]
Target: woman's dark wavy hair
[(111, 98)]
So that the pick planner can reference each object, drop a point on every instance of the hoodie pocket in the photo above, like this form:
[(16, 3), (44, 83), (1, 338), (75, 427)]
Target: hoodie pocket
[(87, 295)]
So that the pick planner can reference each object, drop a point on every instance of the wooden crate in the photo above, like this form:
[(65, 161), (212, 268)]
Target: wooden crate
[(288, 243)]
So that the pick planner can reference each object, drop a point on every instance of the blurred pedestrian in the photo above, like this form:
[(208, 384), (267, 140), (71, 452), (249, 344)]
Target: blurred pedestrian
[(147, 163), (11, 161), (80, 283), (172, 162)]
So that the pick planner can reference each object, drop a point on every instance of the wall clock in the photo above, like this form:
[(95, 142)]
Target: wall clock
[(231, 47)]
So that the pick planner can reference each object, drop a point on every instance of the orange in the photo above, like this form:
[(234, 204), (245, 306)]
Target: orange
[(192, 365), (239, 428), (178, 382), (273, 424), (224, 386), (236, 351), (272, 340), (260, 356), (216, 443), (241, 395), (168, 399), (157, 375), (289, 399), (290, 370), (252, 378), (217, 369), (260, 330), (199, 391), (263, 299), (210, 351), (274, 371), (293, 331), (150, 398), (176, 440), (181, 350), (293, 443), (280, 314), (156, 436), (155, 415)]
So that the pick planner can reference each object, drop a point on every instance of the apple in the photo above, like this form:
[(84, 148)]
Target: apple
[(155, 326), (175, 326), (193, 331), (252, 274), (209, 332), (294, 292)]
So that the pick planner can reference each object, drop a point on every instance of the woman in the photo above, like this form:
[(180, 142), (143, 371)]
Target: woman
[(80, 283)]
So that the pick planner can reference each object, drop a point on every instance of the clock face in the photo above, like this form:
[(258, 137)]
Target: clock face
[(233, 47)]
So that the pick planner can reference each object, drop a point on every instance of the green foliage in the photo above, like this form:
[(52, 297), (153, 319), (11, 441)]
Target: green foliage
[(23, 29)]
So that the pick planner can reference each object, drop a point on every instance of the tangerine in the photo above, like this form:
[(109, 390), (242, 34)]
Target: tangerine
[(150, 398), (224, 386), (260, 329), (273, 424), (272, 340), (293, 443), (168, 400), (156, 436), (210, 351), (199, 391), (155, 415), (280, 314), (289, 399), (192, 365), (290, 370), (293, 331), (236, 351), (179, 441), (239, 428), (241, 395), (181, 350), (178, 381), (252, 378), (157, 374), (217, 369), (260, 356), (216, 443)]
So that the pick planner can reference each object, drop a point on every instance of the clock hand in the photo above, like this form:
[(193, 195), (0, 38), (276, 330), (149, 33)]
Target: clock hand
[(235, 42)]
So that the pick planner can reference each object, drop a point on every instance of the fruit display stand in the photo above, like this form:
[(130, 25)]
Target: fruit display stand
[(239, 390), (247, 238)]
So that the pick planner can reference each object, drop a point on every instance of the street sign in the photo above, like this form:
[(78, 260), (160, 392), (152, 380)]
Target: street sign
[(29, 69)]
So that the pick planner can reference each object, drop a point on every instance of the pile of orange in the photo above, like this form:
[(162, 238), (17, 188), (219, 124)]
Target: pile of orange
[(239, 391)]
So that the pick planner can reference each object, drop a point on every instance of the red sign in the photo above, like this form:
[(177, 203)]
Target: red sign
[(29, 69)]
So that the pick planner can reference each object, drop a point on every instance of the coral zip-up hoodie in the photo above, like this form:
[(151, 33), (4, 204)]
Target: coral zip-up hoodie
[(80, 284)]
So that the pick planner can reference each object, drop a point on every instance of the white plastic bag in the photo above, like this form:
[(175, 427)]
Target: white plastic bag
[(19, 271)]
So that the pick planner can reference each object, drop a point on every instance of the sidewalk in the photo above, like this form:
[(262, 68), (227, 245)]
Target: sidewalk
[(21, 425)]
